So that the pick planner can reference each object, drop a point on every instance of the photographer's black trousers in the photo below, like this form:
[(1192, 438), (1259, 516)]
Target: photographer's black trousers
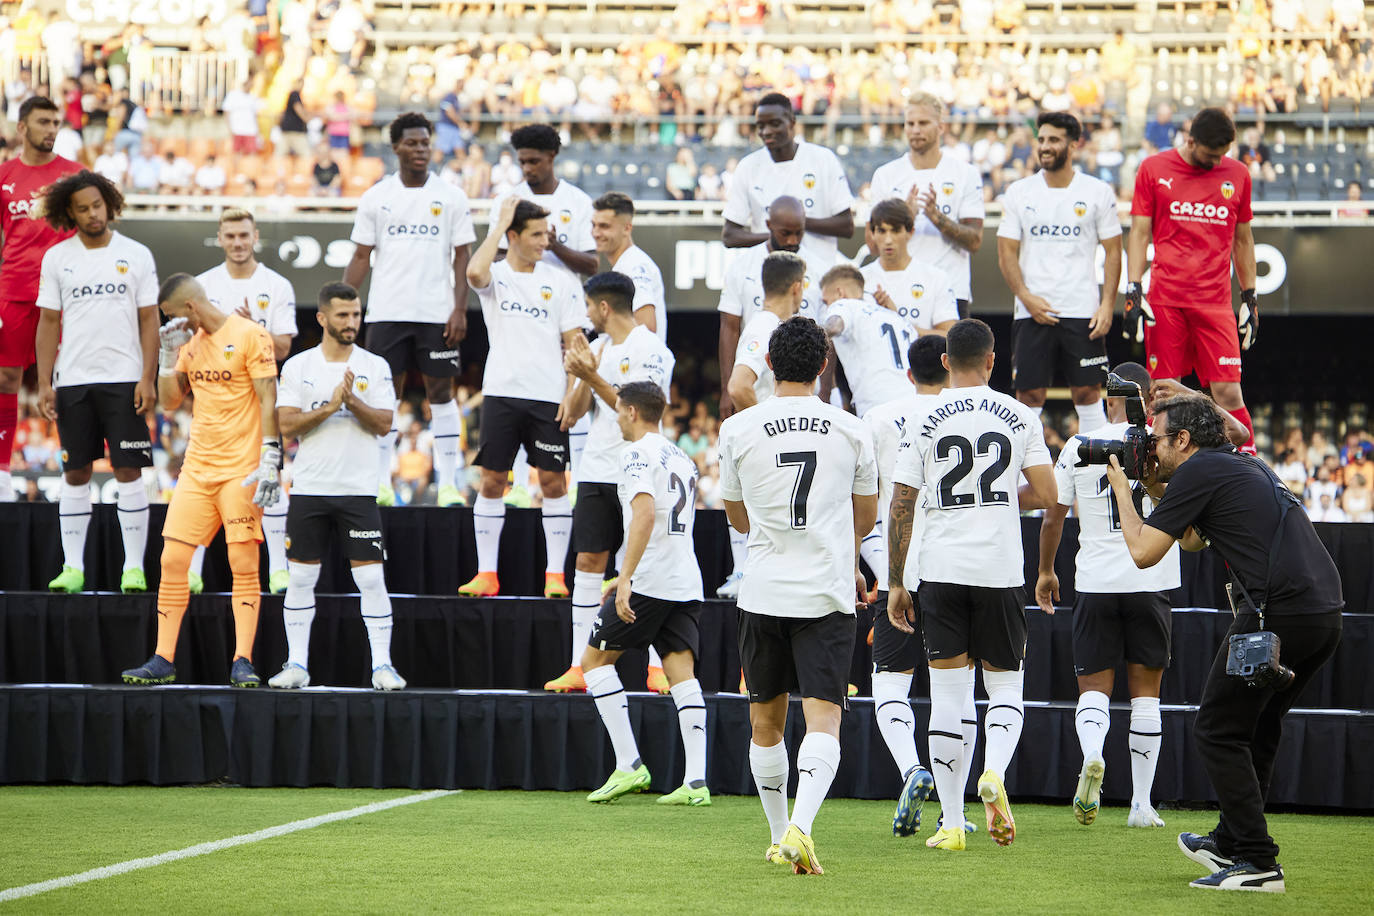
[(1238, 729)]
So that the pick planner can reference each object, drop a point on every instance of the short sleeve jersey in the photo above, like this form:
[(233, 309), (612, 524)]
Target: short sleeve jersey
[(526, 316), (26, 239), (1194, 213), (753, 347), (636, 264), (570, 219), (226, 420), (966, 458), (1104, 564), (270, 297), (796, 463), (742, 293), (413, 232), (872, 348), (959, 192), (1059, 230), (813, 176), (99, 292), (668, 569), (889, 424), (326, 462), (921, 292), (640, 357)]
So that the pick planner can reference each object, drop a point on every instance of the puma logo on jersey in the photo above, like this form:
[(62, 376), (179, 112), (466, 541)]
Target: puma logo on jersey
[(7, 188), (1167, 182)]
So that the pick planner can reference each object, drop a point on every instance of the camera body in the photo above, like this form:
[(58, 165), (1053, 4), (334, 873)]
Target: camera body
[(1136, 447), (1255, 657)]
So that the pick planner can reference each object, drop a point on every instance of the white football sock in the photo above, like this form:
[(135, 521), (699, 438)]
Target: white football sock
[(970, 732), (896, 724), (1147, 734), (1090, 416), (691, 721), (520, 470), (1002, 724), (74, 515), (769, 766), (132, 505), (298, 610), (376, 608), (386, 450), (605, 687), (1092, 720), (873, 550), (557, 517), (739, 549), (817, 760), (488, 518), (446, 426), (198, 562), (948, 687), (274, 532), (586, 604)]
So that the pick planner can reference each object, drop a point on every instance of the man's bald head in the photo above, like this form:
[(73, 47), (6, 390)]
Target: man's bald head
[(786, 223)]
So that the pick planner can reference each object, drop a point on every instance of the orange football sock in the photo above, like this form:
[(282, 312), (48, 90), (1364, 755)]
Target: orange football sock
[(172, 595), (247, 596)]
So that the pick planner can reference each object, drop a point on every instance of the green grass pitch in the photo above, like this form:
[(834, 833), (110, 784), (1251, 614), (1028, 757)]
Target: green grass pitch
[(549, 852)]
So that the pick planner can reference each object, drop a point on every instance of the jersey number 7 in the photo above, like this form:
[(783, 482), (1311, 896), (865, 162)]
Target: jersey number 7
[(805, 463)]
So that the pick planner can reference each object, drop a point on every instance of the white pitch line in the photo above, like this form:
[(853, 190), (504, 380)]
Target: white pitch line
[(202, 849)]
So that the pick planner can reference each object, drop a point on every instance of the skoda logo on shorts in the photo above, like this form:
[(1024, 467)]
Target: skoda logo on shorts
[(1079, 208), (122, 266)]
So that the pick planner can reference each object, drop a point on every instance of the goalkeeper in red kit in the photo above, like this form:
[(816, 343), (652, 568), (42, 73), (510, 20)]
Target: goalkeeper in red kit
[(1194, 203)]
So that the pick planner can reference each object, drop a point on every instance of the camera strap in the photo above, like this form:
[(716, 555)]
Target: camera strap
[(1286, 501)]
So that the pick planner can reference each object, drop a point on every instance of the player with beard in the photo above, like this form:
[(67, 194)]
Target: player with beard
[(1194, 204), (24, 238), (920, 292), (1052, 224), (944, 192)]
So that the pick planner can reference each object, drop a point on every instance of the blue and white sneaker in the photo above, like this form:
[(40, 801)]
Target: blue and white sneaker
[(291, 677), (243, 675), (730, 587), (156, 670), (1203, 849), (1244, 877), (917, 788), (384, 677)]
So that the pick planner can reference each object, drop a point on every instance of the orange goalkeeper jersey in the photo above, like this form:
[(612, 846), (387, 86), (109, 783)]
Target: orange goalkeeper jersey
[(226, 419)]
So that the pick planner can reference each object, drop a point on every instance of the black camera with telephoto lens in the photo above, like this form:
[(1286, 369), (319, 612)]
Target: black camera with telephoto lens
[(1255, 657), (1134, 449)]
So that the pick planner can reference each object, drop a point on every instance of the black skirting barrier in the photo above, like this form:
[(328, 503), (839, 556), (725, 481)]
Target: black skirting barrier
[(431, 551), (519, 643), (484, 740)]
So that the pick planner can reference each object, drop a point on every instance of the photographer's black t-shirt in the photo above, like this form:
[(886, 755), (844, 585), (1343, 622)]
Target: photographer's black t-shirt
[(1233, 505)]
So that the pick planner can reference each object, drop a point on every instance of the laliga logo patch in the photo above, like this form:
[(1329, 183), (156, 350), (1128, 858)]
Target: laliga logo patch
[(1079, 208), (546, 293), (435, 208), (753, 346), (264, 300), (917, 290), (809, 180), (360, 384), (1227, 190), (228, 351), (565, 216), (947, 189), (122, 266), (624, 365)]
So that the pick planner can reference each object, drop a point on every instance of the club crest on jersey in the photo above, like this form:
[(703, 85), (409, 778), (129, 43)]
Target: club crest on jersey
[(1227, 190), (1154, 361), (917, 290), (546, 293), (624, 365), (64, 457), (228, 351), (360, 384), (565, 216), (435, 208), (264, 300), (287, 542), (947, 188), (122, 267), (809, 180), (1079, 208)]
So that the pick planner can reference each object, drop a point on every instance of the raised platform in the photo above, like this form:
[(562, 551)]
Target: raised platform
[(513, 739)]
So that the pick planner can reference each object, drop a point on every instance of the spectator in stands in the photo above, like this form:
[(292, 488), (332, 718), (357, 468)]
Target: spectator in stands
[(1357, 501), (681, 181), (452, 171), (338, 126), (505, 175), (145, 169), (292, 126), (241, 108), (95, 108), (1254, 154), (1357, 446), (1107, 150), (175, 174), (708, 183), (449, 128), (1292, 471), (1353, 192), (1250, 95), (68, 143), (1161, 131), (113, 164), (347, 33), (1117, 63), (128, 121), (326, 180), (210, 177), (476, 174), (1325, 509)]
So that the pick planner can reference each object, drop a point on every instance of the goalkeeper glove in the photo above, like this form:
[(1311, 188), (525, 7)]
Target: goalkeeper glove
[(1136, 315), (267, 477), (171, 337), (1247, 322)]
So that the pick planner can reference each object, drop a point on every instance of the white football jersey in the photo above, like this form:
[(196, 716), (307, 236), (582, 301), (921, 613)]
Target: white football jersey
[(959, 189), (641, 357), (921, 293), (813, 176), (1104, 564), (271, 300), (796, 463), (668, 569), (742, 292), (753, 347), (636, 264), (966, 459), (99, 292), (1059, 230), (888, 424), (570, 219), (872, 348), (527, 315), (413, 232), (328, 458)]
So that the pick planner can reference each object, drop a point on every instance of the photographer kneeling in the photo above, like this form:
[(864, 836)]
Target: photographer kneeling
[(1286, 588)]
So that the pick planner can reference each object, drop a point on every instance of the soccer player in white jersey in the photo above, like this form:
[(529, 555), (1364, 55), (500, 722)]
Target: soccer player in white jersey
[(533, 311), (1052, 223), (613, 216), (626, 352), (966, 457), (917, 290), (870, 341), (788, 165), (896, 654), (1121, 613), (945, 192), (797, 475), (335, 399), (420, 228), (657, 599), (97, 293), (257, 292)]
